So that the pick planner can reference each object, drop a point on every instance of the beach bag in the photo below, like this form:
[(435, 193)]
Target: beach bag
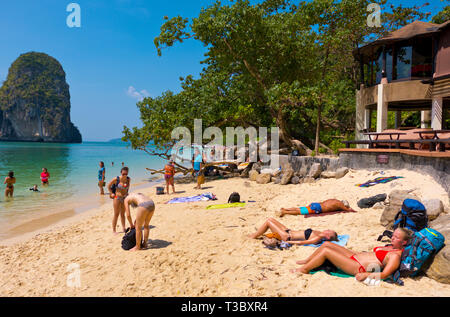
[(159, 190), (129, 239), (423, 245), (234, 198), (412, 216)]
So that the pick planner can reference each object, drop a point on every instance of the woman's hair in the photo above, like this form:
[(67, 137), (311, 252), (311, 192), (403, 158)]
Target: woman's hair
[(334, 237), (11, 174), (102, 164), (44, 168), (133, 204), (124, 169), (407, 234)]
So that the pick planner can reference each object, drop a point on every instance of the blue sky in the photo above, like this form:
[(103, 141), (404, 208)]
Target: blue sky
[(111, 61)]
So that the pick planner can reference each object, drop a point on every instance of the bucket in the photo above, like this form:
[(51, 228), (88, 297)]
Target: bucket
[(159, 190)]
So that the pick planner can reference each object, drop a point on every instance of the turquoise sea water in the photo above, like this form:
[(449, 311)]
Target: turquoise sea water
[(73, 172)]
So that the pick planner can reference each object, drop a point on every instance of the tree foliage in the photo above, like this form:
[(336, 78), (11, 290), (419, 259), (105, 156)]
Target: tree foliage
[(277, 63)]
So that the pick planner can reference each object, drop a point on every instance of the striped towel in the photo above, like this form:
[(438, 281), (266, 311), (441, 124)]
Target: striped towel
[(379, 180)]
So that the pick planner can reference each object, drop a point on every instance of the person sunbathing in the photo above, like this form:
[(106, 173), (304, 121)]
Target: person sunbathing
[(330, 205), (378, 264), (281, 232)]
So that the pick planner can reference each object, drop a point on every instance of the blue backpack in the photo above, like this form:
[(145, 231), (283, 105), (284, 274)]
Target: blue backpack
[(420, 248), (413, 216)]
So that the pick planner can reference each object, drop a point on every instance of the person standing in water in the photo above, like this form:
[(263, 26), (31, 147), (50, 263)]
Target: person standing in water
[(118, 189), (145, 208), (101, 178), (10, 180), (45, 175)]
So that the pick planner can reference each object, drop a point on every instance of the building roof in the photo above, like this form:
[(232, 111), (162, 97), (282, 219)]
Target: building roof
[(416, 28)]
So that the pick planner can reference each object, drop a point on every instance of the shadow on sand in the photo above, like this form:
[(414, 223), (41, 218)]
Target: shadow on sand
[(158, 244)]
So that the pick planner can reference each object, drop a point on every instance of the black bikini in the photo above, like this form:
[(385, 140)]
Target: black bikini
[(308, 233)]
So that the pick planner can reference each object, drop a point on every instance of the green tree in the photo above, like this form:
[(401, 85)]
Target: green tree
[(277, 63)]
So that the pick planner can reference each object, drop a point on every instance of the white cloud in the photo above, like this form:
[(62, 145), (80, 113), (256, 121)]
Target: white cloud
[(138, 95)]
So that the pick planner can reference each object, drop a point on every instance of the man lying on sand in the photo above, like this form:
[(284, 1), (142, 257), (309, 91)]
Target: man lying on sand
[(145, 208), (384, 260), (307, 236), (330, 205)]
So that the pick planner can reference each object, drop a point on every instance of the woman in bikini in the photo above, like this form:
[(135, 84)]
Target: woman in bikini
[(383, 261), (169, 173), (10, 180), (145, 208), (122, 185), (281, 232)]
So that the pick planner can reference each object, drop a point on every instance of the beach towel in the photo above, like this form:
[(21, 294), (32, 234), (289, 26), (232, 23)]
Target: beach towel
[(326, 213), (221, 206), (330, 269), (379, 180), (342, 241), (202, 197), (338, 273)]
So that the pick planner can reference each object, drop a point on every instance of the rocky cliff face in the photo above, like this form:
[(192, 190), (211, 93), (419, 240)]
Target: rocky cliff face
[(35, 102)]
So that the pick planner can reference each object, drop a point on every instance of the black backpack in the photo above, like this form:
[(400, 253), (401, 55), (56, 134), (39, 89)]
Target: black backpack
[(114, 186), (129, 239), (234, 198)]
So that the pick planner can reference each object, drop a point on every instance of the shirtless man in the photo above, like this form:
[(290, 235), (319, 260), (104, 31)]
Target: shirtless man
[(330, 205), (145, 208)]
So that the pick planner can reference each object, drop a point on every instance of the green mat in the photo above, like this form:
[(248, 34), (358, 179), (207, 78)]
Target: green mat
[(221, 206), (339, 273)]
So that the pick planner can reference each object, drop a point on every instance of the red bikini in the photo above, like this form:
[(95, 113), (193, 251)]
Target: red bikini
[(380, 254)]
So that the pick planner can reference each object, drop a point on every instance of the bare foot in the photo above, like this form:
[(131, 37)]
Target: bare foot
[(135, 249), (251, 236), (281, 212)]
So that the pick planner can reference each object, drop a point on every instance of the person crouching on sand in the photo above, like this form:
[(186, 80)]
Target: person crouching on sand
[(145, 208), (330, 205), (169, 173), (281, 232), (383, 260), (10, 180)]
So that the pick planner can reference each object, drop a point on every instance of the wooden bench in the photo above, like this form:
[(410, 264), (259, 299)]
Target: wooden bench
[(434, 143)]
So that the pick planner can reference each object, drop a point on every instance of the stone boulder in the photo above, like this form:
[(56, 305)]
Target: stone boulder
[(257, 167), (286, 173), (286, 177), (328, 174), (302, 172), (253, 174), (434, 208), (396, 198), (341, 172), (295, 180), (263, 178), (315, 171), (439, 269)]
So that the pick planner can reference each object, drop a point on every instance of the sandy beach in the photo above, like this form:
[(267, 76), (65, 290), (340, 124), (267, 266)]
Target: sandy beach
[(199, 252)]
